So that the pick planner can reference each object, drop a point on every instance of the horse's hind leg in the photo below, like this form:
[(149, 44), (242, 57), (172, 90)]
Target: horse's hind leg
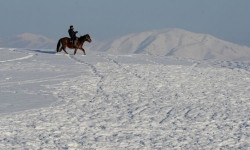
[(60, 49), (64, 49)]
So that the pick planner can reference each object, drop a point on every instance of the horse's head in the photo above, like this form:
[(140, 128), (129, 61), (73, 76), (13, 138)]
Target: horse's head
[(87, 37)]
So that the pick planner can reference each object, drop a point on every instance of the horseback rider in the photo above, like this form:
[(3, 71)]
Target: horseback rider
[(72, 35)]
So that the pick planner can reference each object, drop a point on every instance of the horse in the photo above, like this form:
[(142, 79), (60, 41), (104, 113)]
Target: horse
[(65, 42)]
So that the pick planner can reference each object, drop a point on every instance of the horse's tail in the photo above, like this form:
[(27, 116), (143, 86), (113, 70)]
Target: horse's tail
[(58, 45)]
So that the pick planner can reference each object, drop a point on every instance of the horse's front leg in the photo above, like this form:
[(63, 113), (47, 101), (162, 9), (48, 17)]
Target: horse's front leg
[(83, 51)]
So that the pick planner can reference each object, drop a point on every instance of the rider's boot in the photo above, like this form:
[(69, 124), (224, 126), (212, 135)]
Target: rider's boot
[(74, 43)]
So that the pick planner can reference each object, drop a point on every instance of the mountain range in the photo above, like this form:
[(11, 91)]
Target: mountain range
[(166, 42), (177, 43), (28, 40)]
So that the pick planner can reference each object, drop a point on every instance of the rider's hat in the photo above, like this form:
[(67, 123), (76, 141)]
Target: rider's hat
[(71, 26)]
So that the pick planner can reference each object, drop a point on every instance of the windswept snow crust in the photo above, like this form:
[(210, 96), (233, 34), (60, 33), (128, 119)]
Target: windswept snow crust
[(103, 101)]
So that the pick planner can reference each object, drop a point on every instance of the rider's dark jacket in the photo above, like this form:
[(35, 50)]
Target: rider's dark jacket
[(72, 34)]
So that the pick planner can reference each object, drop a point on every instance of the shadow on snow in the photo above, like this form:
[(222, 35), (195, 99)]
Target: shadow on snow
[(43, 51)]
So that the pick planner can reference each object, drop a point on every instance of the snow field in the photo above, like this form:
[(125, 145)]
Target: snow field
[(118, 105)]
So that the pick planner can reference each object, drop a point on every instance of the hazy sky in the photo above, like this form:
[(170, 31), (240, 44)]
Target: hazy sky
[(106, 19)]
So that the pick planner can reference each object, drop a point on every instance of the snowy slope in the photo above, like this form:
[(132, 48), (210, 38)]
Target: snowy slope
[(102, 101), (178, 43)]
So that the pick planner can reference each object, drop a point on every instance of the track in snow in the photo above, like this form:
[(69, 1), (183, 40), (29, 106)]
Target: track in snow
[(16, 59)]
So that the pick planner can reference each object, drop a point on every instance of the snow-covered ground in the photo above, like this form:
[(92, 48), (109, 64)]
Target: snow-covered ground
[(103, 101)]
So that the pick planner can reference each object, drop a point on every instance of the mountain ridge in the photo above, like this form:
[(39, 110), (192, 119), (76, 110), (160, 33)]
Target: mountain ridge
[(178, 43), (28, 40), (164, 42)]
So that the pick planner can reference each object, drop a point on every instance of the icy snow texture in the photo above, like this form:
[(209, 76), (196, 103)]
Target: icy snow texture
[(133, 101)]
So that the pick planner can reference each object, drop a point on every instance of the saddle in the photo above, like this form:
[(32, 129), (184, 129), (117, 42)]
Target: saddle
[(71, 40)]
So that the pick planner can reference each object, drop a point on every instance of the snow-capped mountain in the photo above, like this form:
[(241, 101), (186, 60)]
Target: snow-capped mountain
[(177, 43), (166, 42), (28, 40)]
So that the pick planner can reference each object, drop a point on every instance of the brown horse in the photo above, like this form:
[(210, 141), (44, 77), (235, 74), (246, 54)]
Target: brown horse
[(65, 42)]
